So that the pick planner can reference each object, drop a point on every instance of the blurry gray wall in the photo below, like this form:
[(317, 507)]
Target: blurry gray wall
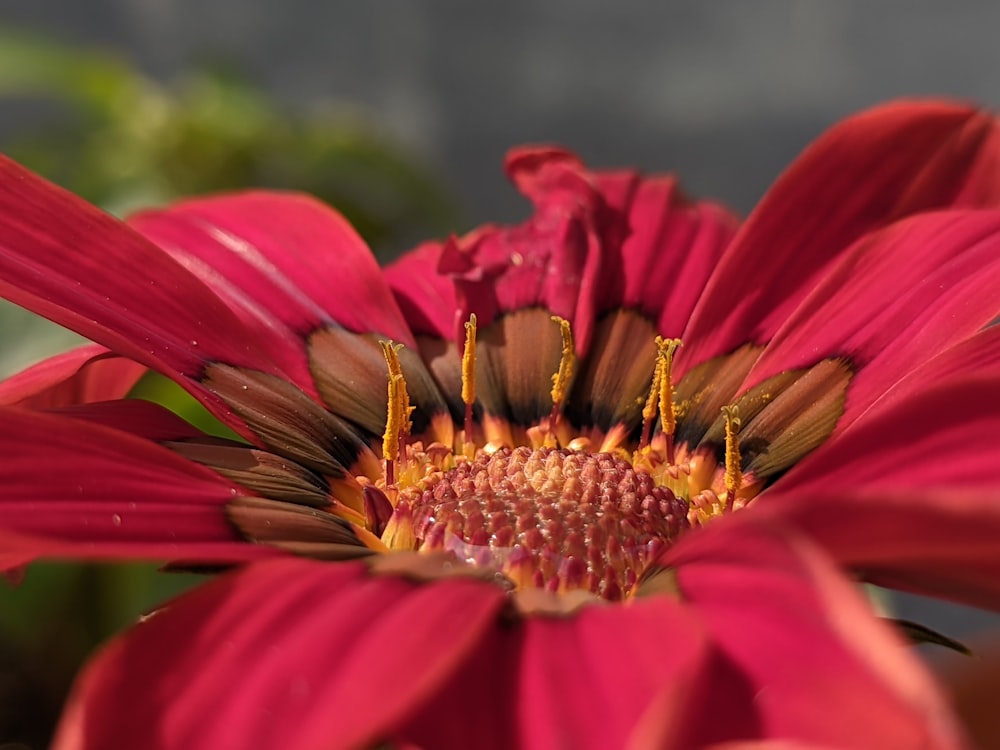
[(724, 92)]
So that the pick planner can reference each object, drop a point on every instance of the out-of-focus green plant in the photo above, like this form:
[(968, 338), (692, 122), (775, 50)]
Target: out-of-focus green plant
[(123, 140)]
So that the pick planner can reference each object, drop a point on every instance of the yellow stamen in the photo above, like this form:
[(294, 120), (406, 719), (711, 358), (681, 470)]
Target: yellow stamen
[(561, 379), (469, 363), (649, 410), (398, 409), (567, 363), (734, 473), (469, 382), (665, 361)]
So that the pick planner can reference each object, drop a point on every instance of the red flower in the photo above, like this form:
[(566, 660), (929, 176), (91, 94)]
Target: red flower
[(832, 380)]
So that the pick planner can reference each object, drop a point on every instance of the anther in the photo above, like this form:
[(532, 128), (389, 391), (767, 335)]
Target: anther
[(734, 472), (660, 400), (561, 379), (649, 410), (397, 418), (469, 381), (665, 349)]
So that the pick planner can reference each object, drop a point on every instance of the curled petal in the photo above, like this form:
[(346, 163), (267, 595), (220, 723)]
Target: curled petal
[(426, 297), (83, 375), (554, 260)]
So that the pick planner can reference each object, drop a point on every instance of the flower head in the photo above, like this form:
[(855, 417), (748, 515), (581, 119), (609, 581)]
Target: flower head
[(516, 423)]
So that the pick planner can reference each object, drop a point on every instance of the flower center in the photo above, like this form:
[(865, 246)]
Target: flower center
[(545, 517), (553, 514)]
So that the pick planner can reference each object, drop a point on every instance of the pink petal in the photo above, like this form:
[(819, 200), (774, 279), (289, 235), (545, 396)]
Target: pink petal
[(282, 257), (82, 375), (671, 246), (554, 260), (69, 261), (935, 542), (894, 300), (426, 297), (286, 653), (975, 356), (70, 487), (943, 435), (588, 681), (908, 495), (800, 633), (866, 172)]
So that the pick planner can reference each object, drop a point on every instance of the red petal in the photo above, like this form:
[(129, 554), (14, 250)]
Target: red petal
[(867, 171), (616, 661), (945, 435), (894, 300), (671, 247), (286, 653), (799, 632), (80, 376), (426, 297), (934, 542), (69, 487), (280, 257), (908, 494), (552, 261), (65, 259)]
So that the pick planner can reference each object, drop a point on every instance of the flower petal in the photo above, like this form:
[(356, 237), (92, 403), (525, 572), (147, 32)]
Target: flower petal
[(297, 266), (656, 272), (603, 658), (284, 256), (285, 653), (945, 434), (670, 247), (866, 172), (797, 629), (427, 300), (425, 297), (553, 260), (72, 487), (893, 301), (70, 262), (920, 463), (83, 375)]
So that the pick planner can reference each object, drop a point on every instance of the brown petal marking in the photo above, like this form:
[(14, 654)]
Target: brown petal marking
[(705, 389), (536, 602), (515, 360), (658, 580), (295, 528), (290, 423), (265, 473), (616, 374), (787, 416), (445, 364), (427, 567), (800, 419), (351, 377)]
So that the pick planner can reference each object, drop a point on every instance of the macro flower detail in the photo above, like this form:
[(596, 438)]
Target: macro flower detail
[(545, 426)]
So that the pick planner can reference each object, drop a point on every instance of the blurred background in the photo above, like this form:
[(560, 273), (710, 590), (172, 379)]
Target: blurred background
[(399, 114)]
